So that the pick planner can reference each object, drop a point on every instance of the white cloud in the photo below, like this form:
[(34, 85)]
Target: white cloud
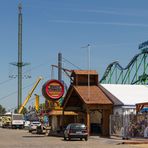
[(100, 23)]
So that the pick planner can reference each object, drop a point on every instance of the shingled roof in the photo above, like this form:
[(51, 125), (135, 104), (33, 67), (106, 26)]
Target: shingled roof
[(84, 72), (79, 89), (92, 95)]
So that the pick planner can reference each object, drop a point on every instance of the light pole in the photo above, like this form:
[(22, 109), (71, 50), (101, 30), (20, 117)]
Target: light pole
[(88, 48), (88, 54)]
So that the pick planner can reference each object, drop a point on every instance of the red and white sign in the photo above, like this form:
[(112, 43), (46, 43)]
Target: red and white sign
[(53, 89)]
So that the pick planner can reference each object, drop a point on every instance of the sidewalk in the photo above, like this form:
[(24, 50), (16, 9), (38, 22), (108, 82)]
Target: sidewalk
[(136, 141), (119, 140), (130, 140), (111, 140)]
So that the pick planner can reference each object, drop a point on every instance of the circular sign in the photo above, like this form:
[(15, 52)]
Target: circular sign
[(53, 89)]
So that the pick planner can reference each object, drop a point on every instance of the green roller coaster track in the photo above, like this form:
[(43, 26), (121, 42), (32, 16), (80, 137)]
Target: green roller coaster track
[(136, 72)]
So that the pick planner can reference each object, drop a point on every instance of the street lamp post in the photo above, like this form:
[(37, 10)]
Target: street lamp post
[(88, 66), (88, 48)]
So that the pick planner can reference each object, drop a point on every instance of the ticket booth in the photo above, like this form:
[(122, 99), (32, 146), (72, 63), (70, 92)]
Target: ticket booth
[(89, 102)]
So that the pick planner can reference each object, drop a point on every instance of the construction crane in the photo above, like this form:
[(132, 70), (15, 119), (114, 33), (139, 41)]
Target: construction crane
[(29, 95)]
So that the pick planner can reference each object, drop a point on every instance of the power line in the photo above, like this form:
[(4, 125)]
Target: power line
[(34, 68), (5, 81), (8, 95), (12, 108), (12, 93), (72, 63), (38, 66), (8, 80)]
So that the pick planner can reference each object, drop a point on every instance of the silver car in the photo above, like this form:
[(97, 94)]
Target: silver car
[(33, 125), (76, 130)]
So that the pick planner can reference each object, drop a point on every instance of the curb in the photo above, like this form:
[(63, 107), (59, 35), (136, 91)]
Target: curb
[(135, 142)]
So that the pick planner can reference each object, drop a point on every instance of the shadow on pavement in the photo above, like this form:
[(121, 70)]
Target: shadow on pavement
[(33, 136)]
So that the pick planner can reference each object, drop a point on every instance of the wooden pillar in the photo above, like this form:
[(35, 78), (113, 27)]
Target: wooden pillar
[(105, 123), (63, 118), (88, 121)]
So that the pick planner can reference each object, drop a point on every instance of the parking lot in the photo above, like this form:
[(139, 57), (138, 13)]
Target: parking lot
[(23, 139)]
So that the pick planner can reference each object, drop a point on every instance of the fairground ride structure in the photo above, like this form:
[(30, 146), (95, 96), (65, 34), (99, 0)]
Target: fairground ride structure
[(136, 71)]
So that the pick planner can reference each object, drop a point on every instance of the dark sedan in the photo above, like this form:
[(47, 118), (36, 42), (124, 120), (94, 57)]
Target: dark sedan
[(76, 130)]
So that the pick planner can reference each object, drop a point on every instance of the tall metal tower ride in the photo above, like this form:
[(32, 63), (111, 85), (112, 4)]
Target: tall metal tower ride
[(20, 63)]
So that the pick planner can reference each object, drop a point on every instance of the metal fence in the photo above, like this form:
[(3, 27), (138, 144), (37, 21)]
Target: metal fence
[(127, 126)]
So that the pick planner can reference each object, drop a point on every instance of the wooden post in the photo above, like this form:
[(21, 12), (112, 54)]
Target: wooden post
[(88, 121), (63, 119), (105, 124)]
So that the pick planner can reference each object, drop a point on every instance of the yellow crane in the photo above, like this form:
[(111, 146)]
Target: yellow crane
[(29, 95), (36, 102)]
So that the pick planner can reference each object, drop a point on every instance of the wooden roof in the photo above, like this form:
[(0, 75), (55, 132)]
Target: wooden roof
[(92, 95), (84, 72), (140, 106)]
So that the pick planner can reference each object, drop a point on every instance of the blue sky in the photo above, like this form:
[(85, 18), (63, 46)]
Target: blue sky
[(113, 28)]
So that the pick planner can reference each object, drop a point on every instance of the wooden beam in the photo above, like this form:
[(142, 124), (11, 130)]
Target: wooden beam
[(72, 108), (63, 119), (140, 106), (88, 121)]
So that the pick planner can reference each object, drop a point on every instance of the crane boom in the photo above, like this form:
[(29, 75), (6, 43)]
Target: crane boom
[(29, 95)]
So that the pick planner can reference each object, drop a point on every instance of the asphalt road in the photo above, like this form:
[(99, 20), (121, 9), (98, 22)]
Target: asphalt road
[(11, 138)]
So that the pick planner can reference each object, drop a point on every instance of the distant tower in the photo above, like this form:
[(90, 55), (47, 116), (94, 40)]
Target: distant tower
[(19, 64), (60, 66)]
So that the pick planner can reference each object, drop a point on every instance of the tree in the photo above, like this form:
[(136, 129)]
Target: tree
[(2, 110), (16, 111), (24, 111)]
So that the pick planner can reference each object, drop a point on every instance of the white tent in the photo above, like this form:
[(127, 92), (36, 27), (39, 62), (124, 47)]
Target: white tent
[(129, 95)]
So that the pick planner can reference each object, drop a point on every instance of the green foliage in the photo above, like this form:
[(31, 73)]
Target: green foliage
[(42, 106), (2, 110), (16, 111), (24, 111)]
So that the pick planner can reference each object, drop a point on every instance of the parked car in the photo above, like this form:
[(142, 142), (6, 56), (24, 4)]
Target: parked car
[(76, 130), (41, 129), (26, 125), (33, 125)]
